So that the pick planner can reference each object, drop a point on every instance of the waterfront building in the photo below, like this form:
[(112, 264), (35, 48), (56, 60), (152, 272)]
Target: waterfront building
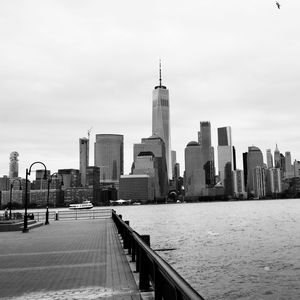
[(254, 159), (109, 157), (238, 184), (42, 184), (269, 159), (296, 168), (259, 182), (83, 159), (41, 180), (177, 170), (4, 183), (245, 167), (17, 198), (225, 152), (273, 182), (194, 171), (93, 177), (282, 164), (137, 187), (161, 119), (204, 140), (13, 164), (288, 170), (71, 177), (277, 159), (173, 160), (149, 158), (234, 157)]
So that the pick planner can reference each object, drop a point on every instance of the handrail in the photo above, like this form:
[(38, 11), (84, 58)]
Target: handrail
[(167, 283)]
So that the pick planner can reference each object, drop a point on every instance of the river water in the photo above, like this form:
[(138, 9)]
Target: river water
[(227, 250)]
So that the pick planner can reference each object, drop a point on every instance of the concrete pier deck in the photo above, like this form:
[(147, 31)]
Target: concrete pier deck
[(66, 260)]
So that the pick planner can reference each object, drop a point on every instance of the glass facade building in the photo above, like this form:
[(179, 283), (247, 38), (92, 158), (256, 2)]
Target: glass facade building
[(109, 157)]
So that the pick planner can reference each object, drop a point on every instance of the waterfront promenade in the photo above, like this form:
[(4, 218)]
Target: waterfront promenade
[(66, 260)]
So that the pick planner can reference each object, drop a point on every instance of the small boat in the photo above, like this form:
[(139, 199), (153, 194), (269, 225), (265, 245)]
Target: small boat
[(120, 202), (84, 205)]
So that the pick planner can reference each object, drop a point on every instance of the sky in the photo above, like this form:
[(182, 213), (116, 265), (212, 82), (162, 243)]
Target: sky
[(68, 66)]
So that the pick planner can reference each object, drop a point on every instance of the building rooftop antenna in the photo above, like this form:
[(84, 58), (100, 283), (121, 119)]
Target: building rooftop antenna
[(89, 132), (160, 72)]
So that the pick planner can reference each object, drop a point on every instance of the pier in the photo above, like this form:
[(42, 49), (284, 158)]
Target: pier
[(84, 259)]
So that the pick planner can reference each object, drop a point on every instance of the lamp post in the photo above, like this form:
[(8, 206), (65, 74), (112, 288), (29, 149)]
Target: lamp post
[(10, 196), (28, 171), (48, 192)]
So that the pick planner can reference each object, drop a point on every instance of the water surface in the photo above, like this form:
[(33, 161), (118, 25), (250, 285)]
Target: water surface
[(228, 250)]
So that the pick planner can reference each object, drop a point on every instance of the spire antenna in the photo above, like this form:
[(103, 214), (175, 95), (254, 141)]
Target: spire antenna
[(160, 72)]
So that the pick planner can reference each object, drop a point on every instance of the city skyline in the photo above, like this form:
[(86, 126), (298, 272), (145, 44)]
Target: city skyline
[(58, 80)]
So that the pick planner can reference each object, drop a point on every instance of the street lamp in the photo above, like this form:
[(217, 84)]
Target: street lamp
[(25, 228), (48, 192), (10, 196)]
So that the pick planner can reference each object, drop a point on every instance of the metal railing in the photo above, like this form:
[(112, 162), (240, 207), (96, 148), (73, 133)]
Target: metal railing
[(64, 215), (166, 283)]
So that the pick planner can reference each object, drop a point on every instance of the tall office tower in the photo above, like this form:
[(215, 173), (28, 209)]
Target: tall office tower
[(234, 157), (161, 118), (71, 177), (296, 168), (238, 184), (245, 167), (288, 171), (273, 180), (150, 158), (14, 164), (177, 170), (194, 172), (269, 159), (204, 140), (109, 157), (282, 164), (4, 183), (259, 182), (93, 177), (277, 159), (83, 159), (173, 160), (254, 159), (225, 153)]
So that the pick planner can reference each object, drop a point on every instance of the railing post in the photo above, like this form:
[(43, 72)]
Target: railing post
[(144, 282), (126, 237), (133, 249), (157, 284)]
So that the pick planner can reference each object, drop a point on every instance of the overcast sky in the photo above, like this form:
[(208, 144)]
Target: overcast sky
[(67, 66)]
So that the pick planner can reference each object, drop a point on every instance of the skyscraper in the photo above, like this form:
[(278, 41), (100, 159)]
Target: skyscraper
[(173, 160), (149, 158), (288, 172), (254, 159), (83, 159), (109, 157), (238, 184), (204, 140), (13, 164), (269, 159), (273, 180), (277, 159), (225, 153), (194, 171), (161, 118)]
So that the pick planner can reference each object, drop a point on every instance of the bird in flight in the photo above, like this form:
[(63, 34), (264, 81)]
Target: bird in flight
[(278, 4)]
